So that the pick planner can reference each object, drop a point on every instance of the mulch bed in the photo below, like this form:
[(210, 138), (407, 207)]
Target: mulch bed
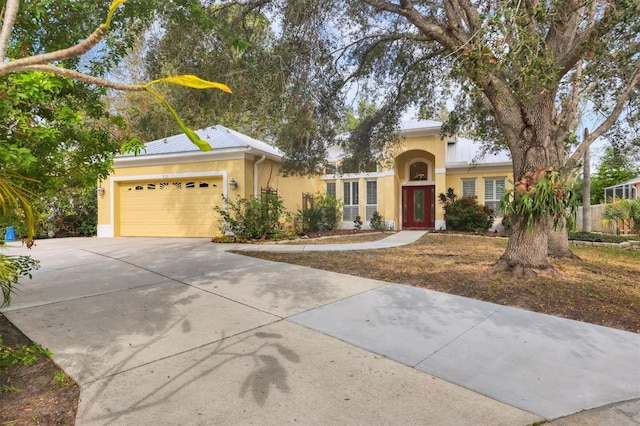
[(29, 394)]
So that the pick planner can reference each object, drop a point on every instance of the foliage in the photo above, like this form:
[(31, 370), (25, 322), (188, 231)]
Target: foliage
[(25, 355), (465, 214), (377, 222), (11, 269), (598, 238), (615, 167), (357, 223), (541, 195), (71, 213), (257, 218), (322, 214), (623, 213)]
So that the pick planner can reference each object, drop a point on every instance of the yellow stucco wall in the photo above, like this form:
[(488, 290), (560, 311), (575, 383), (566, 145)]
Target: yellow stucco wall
[(454, 179)]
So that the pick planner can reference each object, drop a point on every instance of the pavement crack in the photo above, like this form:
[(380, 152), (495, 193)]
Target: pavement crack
[(185, 283), (459, 336)]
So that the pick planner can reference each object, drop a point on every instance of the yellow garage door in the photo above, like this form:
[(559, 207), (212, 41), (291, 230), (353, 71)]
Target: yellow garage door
[(170, 208)]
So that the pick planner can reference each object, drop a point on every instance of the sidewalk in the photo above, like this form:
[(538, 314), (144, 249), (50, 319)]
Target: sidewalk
[(394, 240), (178, 331)]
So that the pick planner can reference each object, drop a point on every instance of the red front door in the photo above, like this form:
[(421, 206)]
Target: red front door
[(419, 206)]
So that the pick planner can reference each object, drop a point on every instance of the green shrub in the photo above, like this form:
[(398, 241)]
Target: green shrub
[(11, 269), (254, 218), (322, 214), (600, 238), (377, 222), (357, 223), (25, 355), (465, 214)]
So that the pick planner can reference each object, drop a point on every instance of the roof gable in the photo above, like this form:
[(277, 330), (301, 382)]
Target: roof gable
[(218, 137)]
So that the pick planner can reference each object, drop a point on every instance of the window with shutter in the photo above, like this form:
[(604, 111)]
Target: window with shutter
[(371, 198), (494, 189), (350, 197), (469, 187), (331, 189)]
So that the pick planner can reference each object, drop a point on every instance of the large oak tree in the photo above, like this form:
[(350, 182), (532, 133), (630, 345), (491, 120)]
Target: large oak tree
[(523, 73)]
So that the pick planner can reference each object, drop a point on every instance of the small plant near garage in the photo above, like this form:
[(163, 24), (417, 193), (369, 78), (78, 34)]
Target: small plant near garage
[(465, 214), (257, 218)]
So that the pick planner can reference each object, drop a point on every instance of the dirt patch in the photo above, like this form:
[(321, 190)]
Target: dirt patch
[(602, 286), (37, 394)]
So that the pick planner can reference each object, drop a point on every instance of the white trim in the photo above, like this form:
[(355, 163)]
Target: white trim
[(464, 167), (407, 168), (348, 176), (418, 183), (105, 231), (114, 179), (255, 175), (190, 157), (441, 171)]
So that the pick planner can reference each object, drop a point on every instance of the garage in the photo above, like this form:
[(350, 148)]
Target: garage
[(170, 207)]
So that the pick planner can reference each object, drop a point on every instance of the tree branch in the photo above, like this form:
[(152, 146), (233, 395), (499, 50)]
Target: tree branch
[(10, 14), (426, 26), (632, 85), (59, 55), (76, 75)]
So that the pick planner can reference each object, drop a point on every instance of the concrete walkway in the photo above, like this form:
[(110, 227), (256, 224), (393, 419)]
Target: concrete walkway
[(178, 331)]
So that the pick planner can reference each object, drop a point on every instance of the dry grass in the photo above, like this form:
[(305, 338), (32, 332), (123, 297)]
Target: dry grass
[(342, 239), (602, 287)]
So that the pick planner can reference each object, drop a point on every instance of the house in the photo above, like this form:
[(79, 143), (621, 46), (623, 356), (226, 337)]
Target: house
[(172, 188), (627, 190)]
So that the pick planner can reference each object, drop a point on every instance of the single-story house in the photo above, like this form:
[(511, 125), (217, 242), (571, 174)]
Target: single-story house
[(627, 190), (172, 188)]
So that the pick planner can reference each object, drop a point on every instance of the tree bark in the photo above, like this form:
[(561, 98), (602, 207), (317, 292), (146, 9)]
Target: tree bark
[(558, 244), (586, 190), (526, 250)]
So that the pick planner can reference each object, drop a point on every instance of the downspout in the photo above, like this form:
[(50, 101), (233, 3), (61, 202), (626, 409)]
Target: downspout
[(255, 175)]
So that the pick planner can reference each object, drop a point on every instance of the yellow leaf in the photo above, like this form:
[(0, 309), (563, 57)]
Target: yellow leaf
[(112, 10), (115, 4), (192, 81), (193, 136)]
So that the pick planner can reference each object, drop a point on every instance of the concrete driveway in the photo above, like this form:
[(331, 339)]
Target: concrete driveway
[(178, 331)]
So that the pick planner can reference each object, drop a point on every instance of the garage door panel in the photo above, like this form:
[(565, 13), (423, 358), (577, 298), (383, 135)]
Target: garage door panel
[(181, 208)]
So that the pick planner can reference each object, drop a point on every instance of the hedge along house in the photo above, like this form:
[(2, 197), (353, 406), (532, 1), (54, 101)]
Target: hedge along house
[(172, 188)]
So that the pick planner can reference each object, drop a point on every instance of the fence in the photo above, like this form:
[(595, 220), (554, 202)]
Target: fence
[(596, 222)]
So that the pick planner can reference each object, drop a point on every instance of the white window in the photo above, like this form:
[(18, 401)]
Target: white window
[(350, 197), (493, 191), (331, 189), (371, 198), (469, 187)]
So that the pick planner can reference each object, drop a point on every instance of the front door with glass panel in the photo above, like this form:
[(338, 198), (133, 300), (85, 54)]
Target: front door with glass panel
[(419, 207)]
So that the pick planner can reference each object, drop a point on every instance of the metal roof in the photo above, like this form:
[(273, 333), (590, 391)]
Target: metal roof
[(218, 136), (467, 152)]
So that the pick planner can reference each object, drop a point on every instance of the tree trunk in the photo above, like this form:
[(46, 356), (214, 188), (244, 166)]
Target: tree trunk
[(586, 190), (558, 244), (526, 250)]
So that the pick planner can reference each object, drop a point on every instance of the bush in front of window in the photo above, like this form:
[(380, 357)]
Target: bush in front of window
[(465, 214), (377, 222), (322, 214)]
